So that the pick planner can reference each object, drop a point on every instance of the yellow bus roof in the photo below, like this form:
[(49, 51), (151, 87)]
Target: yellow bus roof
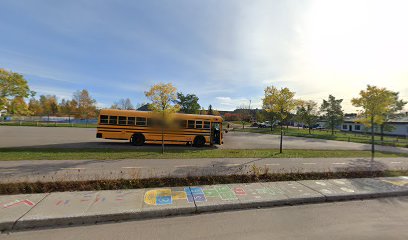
[(134, 113)]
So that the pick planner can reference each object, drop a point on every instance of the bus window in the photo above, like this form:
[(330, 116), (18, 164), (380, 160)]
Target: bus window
[(104, 119), (141, 121), (131, 121), (206, 125), (199, 124), (122, 120), (190, 124), (113, 120)]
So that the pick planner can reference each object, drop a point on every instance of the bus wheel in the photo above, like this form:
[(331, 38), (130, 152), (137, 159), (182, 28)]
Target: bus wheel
[(199, 141), (138, 139)]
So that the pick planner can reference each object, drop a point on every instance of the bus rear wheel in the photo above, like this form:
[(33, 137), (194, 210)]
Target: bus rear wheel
[(137, 139), (199, 141)]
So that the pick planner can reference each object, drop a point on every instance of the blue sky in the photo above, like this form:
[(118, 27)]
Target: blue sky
[(224, 51)]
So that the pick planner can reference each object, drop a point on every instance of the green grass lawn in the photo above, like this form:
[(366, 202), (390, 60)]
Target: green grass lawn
[(77, 154), (326, 134), (45, 124)]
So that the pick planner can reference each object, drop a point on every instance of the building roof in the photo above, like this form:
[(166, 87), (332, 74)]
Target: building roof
[(398, 120)]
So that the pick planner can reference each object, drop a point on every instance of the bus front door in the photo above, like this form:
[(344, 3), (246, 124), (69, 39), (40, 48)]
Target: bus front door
[(216, 133)]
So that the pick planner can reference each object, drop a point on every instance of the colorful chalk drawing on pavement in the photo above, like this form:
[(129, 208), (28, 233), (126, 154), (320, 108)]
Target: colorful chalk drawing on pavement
[(83, 198), (401, 182), (163, 196), (195, 194), (167, 196), (17, 203), (227, 193)]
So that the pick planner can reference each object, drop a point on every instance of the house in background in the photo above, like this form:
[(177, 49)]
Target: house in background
[(399, 126)]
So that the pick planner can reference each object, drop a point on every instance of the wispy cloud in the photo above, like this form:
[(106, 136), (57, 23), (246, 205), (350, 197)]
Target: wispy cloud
[(226, 52)]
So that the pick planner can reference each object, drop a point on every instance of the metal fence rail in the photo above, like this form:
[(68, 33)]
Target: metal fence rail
[(39, 123)]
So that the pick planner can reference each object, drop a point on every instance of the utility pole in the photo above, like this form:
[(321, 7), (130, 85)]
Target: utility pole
[(250, 114)]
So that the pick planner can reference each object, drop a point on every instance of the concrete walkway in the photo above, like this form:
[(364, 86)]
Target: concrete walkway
[(372, 219), (74, 170), (74, 208)]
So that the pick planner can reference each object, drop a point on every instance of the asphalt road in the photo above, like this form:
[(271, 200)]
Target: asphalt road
[(61, 137), (370, 219), (65, 170)]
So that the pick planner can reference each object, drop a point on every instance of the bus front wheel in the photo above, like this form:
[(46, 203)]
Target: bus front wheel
[(137, 139), (199, 141)]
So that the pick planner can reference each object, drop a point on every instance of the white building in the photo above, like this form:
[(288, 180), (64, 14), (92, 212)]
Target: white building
[(399, 127)]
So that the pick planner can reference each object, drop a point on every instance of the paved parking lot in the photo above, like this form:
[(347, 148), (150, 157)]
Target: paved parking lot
[(61, 137)]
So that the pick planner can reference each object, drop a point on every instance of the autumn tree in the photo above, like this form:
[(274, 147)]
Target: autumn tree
[(34, 107), (260, 116), (162, 97), (397, 106), (68, 108), (332, 112), (203, 112), (280, 102), (62, 107), (123, 104), (188, 103), (13, 88), (86, 105), (49, 105), (272, 117), (307, 113), (375, 103), (243, 114), (18, 106)]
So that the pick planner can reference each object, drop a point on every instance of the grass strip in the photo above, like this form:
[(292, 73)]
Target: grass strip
[(95, 185), (112, 154)]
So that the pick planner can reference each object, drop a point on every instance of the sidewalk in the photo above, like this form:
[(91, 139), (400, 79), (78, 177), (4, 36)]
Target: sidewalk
[(72, 208), (74, 170)]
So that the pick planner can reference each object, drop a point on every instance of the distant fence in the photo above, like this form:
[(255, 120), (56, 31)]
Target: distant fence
[(44, 121), (397, 141), (389, 140)]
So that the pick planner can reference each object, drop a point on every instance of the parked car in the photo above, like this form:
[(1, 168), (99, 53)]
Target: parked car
[(255, 124), (265, 124)]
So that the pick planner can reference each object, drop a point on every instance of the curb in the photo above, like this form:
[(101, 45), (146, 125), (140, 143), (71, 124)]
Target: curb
[(127, 216), (93, 207)]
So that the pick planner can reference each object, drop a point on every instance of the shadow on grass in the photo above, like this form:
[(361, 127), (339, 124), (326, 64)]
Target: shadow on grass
[(105, 147)]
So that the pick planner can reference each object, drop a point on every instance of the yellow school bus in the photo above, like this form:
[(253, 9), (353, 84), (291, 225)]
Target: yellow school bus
[(140, 127)]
